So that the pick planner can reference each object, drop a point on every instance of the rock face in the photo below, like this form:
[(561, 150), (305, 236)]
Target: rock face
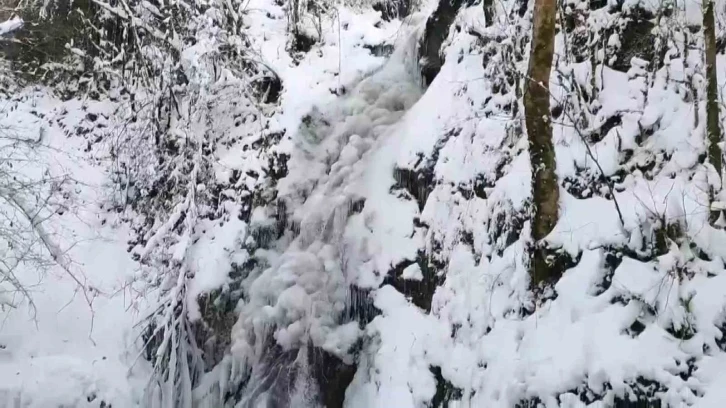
[(437, 30), (396, 9), (456, 276), (388, 257), (32, 47), (636, 40), (363, 238)]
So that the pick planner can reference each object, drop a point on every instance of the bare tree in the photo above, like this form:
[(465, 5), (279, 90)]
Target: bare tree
[(545, 189), (28, 199)]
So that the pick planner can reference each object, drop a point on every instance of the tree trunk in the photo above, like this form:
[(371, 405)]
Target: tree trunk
[(713, 125), (545, 189)]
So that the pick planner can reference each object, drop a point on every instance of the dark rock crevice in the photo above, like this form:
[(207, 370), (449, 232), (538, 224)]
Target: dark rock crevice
[(446, 392), (420, 292), (420, 181), (437, 30), (281, 374), (636, 39), (393, 9)]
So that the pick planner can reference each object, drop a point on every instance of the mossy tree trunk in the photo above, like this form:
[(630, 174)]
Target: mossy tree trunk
[(713, 125), (545, 189)]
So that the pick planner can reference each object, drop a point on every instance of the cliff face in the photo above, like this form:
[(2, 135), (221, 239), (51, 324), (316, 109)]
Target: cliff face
[(408, 223), (362, 236)]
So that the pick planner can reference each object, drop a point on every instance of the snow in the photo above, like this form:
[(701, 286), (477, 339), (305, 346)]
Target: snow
[(581, 336), (406, 336), (213, 254), (412, 272), (355, 125), (61, 350), (8, 26)]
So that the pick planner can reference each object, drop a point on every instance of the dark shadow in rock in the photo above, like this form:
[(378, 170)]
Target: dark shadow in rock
[(213, 332), (597, 4), (393, 9), (271, 381), (611, 262), (269, 87), (420, 292), (437, 29), (332, 376), (420, 181), (359, 307), (274, 380), (641, 393), (636, 40), (446, 392), (418, 184), (380, 50), (602, 131), (555, 262), (301, 42)]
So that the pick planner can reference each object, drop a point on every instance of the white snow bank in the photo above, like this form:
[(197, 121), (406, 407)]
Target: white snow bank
[(11, 25), (63, 351)]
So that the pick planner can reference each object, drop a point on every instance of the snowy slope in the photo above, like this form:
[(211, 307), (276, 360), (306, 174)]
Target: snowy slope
[(63, 351), (444, 200), (372, 251), (615, 327)]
